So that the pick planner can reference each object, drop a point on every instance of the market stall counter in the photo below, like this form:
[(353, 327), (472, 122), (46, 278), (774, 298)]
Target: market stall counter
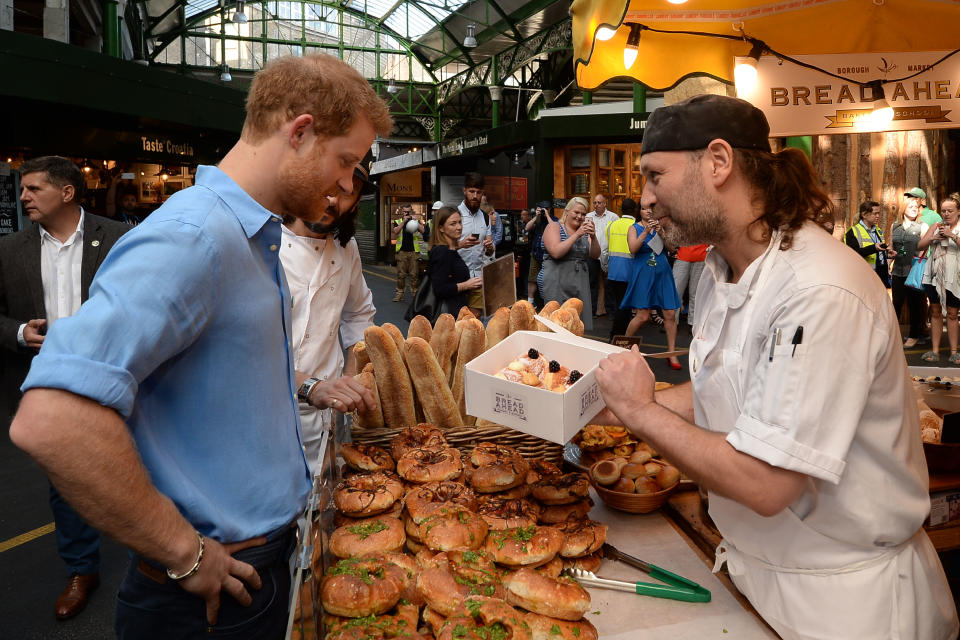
[(651, 537)]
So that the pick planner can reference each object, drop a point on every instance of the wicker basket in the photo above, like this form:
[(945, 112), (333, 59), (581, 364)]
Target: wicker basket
[(466, 438), (633, 502)]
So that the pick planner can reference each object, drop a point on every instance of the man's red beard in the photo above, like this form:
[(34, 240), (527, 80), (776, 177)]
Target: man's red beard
[(303, 192)]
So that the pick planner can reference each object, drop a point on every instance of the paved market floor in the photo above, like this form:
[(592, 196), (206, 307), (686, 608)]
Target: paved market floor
[(31, 573)]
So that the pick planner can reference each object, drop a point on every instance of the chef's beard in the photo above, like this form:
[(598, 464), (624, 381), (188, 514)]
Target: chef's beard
[(324, 227), (698, 217)]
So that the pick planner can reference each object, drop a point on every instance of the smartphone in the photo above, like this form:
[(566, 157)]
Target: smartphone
[(475, 236)]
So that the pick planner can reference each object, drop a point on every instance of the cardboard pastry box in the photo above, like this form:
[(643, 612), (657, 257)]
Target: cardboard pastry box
[(549, 415)]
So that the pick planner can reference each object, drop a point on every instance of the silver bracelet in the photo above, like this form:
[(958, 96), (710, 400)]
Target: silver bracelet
[(194, 568)]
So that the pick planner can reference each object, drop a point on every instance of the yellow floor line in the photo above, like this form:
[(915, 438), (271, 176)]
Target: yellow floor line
[(379, 275), (23, 538)]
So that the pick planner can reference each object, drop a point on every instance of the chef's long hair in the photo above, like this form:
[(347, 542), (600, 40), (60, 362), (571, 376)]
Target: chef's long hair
[(787, 187)]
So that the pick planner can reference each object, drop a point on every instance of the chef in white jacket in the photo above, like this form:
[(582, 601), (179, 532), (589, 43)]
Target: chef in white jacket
[(332, 306), (799, 419)]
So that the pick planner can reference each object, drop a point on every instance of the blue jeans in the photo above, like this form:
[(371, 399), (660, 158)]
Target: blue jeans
[(152, 607), (77, 542)]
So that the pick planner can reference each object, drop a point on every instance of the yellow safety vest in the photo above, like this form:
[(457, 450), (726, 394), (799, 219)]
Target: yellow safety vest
[(617, 244), (864, 239), (398, 241)]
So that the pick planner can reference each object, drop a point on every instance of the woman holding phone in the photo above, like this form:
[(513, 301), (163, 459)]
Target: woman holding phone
[(652, 285), (941, 279), (568, 244), (449, 275)]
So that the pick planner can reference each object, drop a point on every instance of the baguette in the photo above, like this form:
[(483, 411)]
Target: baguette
[(367, 368), (465, 313), (360, 353), (546, 312), (444, 343), (522, 317), (420, 328), (397, 336), (575, 303), (565, 318), (499, 327), (371, 418), (396, 390), (472, 343), (431, 383)]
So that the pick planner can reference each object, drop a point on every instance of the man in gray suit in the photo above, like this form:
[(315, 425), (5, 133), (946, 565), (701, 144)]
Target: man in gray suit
[(45, 274)]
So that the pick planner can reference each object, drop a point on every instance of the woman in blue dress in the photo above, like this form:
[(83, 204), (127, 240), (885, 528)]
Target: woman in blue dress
[(652, 285)]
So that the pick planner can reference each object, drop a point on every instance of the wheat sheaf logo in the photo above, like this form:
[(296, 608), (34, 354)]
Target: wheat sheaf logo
[(887, 67)]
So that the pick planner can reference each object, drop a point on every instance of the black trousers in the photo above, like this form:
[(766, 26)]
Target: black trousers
[(622, 318), (916, 304)]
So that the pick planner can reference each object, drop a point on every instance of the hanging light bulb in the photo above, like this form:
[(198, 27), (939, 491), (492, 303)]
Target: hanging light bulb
[(239, 17), (633, 42), (745, 73), (604, 33), (882, 111), (470, 40), (225, 74), (86, 166), (392, 87)]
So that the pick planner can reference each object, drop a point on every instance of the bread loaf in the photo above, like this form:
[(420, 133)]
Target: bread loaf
[(397, 336), (522, 317), (420, 328), (360, 353), (444, 343), (472, 343), (499, 327), (430, 381), (396, 390), (566, 318), (546, 312), (372, 418), (465, 313)]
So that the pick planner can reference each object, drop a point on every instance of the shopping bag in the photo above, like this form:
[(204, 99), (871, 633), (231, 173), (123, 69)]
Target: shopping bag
[(915, 277)]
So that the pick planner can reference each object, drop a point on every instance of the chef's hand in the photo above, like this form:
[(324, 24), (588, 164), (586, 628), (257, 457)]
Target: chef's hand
[(31, 333), (343, 394), (626, 383), (219, 571)]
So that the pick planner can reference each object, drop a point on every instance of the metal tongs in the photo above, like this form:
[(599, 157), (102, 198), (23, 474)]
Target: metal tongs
[(676, 587)]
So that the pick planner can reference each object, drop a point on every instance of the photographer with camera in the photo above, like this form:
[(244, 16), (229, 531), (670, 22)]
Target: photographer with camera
[(406, 239), (866, 238)]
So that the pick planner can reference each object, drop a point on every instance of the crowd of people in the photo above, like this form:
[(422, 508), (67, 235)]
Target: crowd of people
[(920, 264), (179, 393)]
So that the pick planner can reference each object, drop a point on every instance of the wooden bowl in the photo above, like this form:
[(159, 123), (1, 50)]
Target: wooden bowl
[(633, 502)]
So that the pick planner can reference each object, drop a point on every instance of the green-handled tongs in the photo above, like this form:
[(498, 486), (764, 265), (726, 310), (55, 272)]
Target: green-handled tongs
[(676, 587)]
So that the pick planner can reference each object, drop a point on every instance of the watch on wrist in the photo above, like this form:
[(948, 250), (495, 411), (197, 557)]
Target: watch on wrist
[(303, 393)]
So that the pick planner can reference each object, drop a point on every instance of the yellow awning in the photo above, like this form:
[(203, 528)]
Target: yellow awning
[(790, 27)]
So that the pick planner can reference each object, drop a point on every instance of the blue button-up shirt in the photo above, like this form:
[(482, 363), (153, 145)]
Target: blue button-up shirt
[(186, 335)]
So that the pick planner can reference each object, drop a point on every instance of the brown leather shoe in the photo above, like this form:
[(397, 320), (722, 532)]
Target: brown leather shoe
[(74, 597)]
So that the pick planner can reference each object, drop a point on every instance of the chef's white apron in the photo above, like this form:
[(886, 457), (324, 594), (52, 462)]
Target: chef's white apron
[(834, 590)]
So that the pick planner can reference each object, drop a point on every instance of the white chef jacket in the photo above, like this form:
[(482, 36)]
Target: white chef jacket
[(328, 293), (848, 559)]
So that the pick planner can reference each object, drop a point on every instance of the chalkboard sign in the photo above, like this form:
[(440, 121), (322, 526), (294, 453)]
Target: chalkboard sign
[(10, 221)]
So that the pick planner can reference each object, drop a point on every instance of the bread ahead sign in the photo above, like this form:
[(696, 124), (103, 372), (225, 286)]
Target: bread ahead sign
[(801, 101)]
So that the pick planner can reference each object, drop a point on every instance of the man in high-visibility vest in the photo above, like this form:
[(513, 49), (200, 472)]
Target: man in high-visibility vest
[(866, 238), (620, 265), (407, 244)]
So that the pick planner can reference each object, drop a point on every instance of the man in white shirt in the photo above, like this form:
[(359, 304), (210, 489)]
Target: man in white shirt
[(602, 217), (476, 240), (329, 294), (45, 274), (820, 496)]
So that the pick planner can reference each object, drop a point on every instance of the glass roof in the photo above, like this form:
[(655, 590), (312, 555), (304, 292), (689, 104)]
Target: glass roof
[(408, 18)]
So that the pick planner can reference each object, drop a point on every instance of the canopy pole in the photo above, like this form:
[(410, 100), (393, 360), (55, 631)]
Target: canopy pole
[(639, 98)]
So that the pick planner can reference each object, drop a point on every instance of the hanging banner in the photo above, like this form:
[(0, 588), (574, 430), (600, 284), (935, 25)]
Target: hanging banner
[(799, 101)]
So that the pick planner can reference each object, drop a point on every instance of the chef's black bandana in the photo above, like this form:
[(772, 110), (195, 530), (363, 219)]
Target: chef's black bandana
[(695, 122)]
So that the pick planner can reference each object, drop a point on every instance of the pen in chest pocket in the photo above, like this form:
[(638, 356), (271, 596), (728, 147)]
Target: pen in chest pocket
[(797, 339), (774, 341)]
